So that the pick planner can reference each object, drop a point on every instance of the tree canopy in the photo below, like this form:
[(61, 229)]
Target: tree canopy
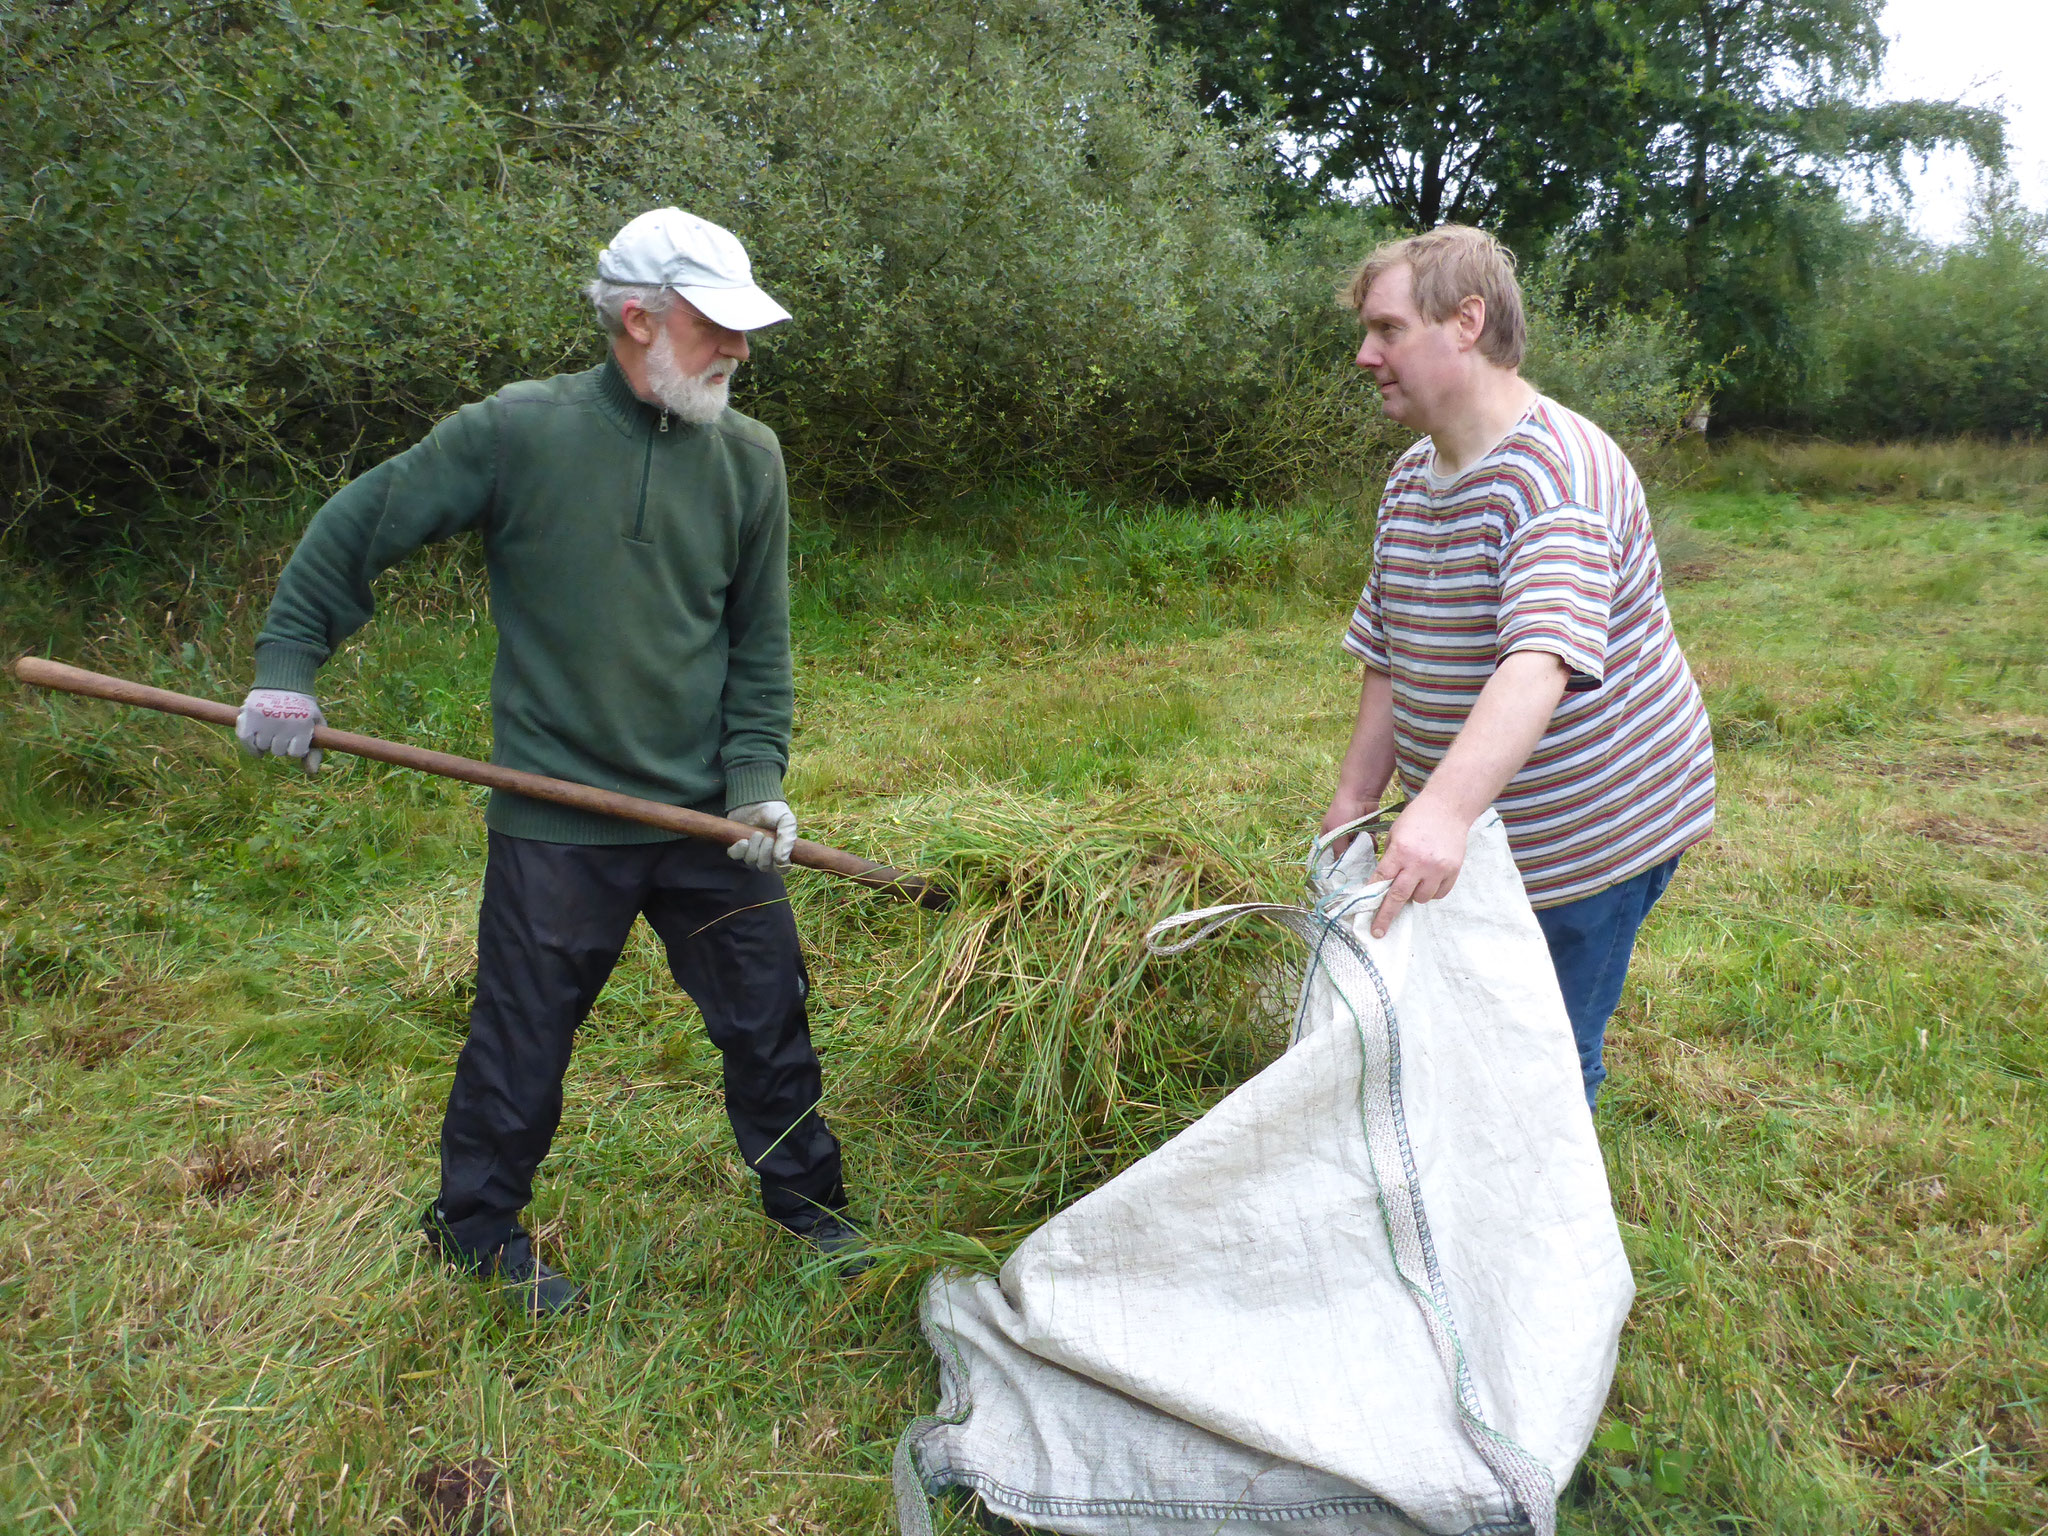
[(1757, 115), (1694, 151), (256, 242), (1499, 112)]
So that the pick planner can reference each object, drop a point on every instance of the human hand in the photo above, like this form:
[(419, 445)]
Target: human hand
[(282, 723), (1343, 811), (770, 847), (1425, 850)]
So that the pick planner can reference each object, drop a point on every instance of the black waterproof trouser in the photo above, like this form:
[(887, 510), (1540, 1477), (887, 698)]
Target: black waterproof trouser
[(555, 917)]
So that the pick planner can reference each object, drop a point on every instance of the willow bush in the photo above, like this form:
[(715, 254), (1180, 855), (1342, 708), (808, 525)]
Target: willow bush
[(253, 246), (1925, 342), (243, 238), (1012, 242), (1631, 371)]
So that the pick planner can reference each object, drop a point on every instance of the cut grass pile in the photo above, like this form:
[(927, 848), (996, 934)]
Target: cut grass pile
[(234, 999)]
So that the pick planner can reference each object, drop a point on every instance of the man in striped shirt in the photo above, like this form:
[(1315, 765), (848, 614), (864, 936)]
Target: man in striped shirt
[(1518, 652)]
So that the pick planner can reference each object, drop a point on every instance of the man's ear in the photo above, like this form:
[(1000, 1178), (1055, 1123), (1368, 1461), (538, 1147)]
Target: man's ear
[(641, 327), (1471, 320)]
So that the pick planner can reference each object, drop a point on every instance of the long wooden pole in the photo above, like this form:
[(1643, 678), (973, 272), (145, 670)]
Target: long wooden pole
[(671, 818)]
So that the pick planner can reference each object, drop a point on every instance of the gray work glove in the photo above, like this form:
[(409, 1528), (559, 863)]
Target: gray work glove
[(282, 723), (768, 848)]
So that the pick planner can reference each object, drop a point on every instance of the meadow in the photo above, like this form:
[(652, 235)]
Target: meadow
[(233, 999)]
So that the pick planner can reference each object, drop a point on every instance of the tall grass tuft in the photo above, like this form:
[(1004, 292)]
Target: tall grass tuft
[(1966, 470), (1031, 1018)]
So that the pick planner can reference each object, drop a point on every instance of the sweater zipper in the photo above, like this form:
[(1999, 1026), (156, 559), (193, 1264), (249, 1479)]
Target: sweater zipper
[(646, 471)]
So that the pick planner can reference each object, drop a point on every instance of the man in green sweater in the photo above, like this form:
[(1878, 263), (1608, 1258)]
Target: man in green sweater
[(636, 532)]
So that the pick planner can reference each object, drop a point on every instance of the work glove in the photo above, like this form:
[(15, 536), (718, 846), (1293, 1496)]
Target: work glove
[(282, 723), (768, 848)]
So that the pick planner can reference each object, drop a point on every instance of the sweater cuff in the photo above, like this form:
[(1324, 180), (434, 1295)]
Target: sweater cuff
[(751, 783), (281, 664)]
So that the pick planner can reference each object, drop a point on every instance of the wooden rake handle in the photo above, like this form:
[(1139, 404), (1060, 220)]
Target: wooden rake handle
[(41, 673)]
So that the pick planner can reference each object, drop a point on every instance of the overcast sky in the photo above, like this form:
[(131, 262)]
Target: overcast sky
[(1979, 51)]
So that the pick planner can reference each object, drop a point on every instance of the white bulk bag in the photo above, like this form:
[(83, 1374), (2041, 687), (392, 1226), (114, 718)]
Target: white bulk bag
[(1377, 1289)]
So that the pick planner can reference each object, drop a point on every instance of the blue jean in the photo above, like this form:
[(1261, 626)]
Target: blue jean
[(1590, 943)]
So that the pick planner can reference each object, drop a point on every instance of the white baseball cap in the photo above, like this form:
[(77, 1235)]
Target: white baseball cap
[(669, 248)]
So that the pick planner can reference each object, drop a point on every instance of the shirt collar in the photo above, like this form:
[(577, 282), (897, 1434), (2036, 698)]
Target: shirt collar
[(616, 398)]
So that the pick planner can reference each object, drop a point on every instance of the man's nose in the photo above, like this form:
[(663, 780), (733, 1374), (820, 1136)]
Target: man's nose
[(733, 344), (1368, 355)]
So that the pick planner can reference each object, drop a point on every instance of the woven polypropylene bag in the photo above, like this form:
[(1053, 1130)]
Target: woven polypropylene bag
[(1377, 1289)]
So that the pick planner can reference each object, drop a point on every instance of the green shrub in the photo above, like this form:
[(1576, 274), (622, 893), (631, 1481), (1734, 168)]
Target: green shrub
[(255, 246), (1940, 342), (242, 239), (1013, 245), (1633, 373)]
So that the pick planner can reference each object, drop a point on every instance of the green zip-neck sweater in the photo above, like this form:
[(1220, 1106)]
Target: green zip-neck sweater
[(639, 584)]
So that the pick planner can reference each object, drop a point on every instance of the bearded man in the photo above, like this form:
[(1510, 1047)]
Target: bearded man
[(635, 528), (1517, 650)]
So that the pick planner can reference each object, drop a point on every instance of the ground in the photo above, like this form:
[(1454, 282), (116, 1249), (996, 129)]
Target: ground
[(234, 998)]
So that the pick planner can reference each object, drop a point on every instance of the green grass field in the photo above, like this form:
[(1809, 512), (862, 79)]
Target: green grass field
[(234, 999)]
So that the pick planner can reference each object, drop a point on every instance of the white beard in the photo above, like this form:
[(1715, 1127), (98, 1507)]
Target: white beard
[(698, 399)]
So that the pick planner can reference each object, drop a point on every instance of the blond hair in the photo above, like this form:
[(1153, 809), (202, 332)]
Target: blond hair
[(1453, 263)]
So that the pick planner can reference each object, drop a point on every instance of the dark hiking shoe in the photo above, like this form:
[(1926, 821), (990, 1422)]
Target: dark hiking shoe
[(834, 1237), (539, 1290)]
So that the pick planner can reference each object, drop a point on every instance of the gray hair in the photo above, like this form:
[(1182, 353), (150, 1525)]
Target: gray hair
[(609, 299)]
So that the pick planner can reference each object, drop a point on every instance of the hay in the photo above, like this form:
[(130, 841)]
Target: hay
[(1030, 1013)]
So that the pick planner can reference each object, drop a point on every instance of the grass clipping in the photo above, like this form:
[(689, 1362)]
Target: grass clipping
[(1032, 1024)]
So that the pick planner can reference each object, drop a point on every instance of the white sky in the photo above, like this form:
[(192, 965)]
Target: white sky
[(1983, 52)]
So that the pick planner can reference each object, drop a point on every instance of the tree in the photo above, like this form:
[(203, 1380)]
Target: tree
[(1690, 149), (548, 60), (1508, 113), (1937, 341), (1012, 243), (242, 233), (1745, 95), (1754, 113)]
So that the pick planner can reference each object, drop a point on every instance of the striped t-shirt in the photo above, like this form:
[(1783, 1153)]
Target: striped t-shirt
[(1543, 545)]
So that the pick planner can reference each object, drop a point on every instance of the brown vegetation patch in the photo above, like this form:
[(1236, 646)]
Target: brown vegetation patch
[(1690, 1077), (93, 1021), (1943, 768), (93, 1043), (1969, 832), (233, 1168), (2015, 1432), (1686, 573), (1969, 761), (463, 1498)]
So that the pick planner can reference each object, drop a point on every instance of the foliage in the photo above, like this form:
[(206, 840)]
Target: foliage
[(1922, 343), (1633, 371), (1824, 1133), (223, 253), (1010, 240), (1506, 113), (1754, 113), (1759, 91), (259, 246), (1694, 150), (557, 68), (271, 242)]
